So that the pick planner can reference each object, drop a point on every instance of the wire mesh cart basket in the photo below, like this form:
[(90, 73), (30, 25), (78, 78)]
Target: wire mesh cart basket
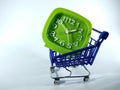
[(83, 57)]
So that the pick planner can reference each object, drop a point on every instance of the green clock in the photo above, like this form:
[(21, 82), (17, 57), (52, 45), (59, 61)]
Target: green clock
[(66, 31)]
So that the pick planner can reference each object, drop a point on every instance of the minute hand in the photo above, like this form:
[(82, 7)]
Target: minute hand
[(66, 29)]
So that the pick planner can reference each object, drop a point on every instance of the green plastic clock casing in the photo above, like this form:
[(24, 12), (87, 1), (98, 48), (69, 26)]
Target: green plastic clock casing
[(66, 31)]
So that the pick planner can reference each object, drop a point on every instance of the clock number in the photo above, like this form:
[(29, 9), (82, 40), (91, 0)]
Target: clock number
[(62, 43), (55, 39), (80, 38), (78, 24), (75, 44), (52, 34), (68, 20), (69, 45), (59, 21), (65, 19), (80, 31), (72, 22), (55, 26)]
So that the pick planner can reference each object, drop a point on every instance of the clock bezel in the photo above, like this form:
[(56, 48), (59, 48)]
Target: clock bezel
[(54, 46)]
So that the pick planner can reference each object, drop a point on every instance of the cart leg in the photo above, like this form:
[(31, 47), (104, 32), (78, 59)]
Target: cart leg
[(52, 69), (69, 71), (86, 70), (86, 78), (56, 81)]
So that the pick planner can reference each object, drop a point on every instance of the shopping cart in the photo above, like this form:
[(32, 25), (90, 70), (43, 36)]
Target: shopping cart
[(83, 57)]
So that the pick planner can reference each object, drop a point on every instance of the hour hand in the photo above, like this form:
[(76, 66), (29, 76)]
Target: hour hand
[(70, 31), (74, 30)]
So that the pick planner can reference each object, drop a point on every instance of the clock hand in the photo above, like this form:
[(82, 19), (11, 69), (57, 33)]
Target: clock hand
[(66, 29), (74, 30), (70, 31), (69, 36), (63, 26)]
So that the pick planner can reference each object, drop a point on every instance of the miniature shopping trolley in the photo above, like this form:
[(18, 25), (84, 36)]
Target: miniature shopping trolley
[(83, 57)]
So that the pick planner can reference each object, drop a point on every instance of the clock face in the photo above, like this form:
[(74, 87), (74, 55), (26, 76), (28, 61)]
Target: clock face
[(66, 31)]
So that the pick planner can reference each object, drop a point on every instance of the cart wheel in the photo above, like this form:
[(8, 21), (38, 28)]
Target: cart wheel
[(52, 69), (86, 78), (57, 81)]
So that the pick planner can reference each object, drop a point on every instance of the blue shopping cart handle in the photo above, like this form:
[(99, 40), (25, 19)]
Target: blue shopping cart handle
[(103, 34), (96, 30)]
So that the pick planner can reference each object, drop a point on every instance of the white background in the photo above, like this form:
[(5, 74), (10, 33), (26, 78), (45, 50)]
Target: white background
[(24, 61)]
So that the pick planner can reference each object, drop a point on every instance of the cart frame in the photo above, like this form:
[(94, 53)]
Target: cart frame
[(84, 56)]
